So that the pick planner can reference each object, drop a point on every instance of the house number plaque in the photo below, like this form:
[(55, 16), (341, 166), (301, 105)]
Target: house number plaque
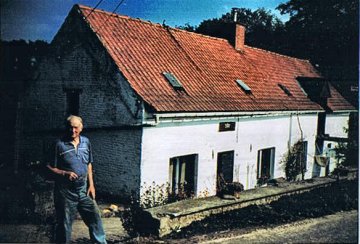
[(227, 126)]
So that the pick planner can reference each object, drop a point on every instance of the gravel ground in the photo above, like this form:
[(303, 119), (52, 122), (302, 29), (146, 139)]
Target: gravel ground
[(341, 227)]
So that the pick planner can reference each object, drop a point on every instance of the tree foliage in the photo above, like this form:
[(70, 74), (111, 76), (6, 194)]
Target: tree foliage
[(348, 152), (19, 58), (18, 61), (262, 27), (327, 33)]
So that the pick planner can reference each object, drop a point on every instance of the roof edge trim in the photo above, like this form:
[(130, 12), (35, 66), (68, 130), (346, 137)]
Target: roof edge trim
[(219, 114)]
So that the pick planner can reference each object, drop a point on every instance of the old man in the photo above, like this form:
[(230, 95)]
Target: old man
[(74, 186)]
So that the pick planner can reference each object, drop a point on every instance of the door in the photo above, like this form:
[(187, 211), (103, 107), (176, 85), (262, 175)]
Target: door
[(225, 169)]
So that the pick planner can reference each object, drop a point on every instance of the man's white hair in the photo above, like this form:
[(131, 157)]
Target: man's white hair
[(74, 117)]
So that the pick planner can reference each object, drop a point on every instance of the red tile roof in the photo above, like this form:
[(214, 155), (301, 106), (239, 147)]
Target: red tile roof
[(207, 68)]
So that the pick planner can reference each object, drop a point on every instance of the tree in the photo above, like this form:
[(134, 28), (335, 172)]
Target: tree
[(19, 60), (348, 152), (326, 33), (263, 29), (186, 27)]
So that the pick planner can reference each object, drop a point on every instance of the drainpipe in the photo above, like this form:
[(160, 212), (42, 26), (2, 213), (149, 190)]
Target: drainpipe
[(290, 132), (157, 119)]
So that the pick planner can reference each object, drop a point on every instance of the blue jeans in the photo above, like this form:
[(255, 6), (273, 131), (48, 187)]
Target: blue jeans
[(69, 198)]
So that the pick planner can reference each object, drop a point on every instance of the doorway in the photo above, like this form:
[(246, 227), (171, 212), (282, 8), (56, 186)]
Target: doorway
[(225, 169)]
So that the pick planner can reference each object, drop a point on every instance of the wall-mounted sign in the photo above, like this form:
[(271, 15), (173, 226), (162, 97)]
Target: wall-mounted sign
[(227, 126)]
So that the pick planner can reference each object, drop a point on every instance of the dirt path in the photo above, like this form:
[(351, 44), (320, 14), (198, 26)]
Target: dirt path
[(41, 233), (341, 227), (113, 229)]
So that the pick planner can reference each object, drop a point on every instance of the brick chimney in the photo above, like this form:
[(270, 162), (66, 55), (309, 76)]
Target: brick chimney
[(239, 37)]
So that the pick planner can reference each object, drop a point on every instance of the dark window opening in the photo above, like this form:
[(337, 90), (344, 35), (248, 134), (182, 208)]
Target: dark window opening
[(182, 174), (285, 89), (317, 89), (174, 82), (73, 101)]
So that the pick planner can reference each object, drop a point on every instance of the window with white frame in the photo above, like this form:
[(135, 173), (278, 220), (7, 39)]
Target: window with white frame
[(183, 175), (265, 164)]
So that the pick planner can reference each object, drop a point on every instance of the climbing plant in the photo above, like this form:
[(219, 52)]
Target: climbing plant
[(294, 161)]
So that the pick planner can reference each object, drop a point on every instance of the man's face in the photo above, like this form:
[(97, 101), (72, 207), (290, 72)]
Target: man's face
[(75, 127)]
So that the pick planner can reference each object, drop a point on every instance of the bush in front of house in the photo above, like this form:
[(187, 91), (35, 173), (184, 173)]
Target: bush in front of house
[(26, 196), (231, 189), (153, 195), (135, 220)]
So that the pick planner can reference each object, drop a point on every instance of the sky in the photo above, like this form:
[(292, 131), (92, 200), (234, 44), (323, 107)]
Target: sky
[(41, 19)]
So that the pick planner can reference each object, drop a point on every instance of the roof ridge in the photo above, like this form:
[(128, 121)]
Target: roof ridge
[(180, 30), (118, 15), (278, 54), (199, 34), (147, 22)]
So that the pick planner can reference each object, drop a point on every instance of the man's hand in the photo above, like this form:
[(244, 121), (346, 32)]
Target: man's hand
[(91, 192), (71, 175)]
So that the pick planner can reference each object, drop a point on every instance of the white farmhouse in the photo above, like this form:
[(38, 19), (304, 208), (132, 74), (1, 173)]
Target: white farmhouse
[(167, 107)]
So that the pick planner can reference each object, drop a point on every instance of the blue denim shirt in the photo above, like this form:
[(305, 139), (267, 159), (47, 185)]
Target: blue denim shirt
[(68, 158)]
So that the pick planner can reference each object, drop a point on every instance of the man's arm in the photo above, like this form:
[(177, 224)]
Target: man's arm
[(91, 190), (70, 175)]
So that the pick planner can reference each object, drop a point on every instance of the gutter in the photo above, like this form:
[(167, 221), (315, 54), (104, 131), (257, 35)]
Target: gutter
[(158, 118), (344, 111)]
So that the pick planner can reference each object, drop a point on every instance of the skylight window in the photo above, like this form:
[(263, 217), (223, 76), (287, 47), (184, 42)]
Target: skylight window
[(175, 83), (243, 86), (284, 88)]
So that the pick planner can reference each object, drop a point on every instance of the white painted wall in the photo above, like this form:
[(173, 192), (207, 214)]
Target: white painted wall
[(165, 141), (162, 143), (257, 134), (335, 124), (305, 126)]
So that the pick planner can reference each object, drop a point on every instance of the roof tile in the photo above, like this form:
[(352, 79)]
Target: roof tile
[(207, 68)]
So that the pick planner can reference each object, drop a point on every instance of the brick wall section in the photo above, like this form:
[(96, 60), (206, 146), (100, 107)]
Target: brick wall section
[(79, 61), (117, 161), (107, 104)]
